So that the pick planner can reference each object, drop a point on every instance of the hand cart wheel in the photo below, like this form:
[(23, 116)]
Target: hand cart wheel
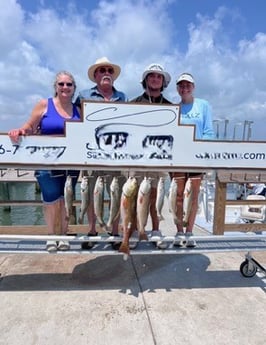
[(248, 269)]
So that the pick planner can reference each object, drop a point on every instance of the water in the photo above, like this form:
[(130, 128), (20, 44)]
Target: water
[(27, 215), (32, 215), (22, 215)]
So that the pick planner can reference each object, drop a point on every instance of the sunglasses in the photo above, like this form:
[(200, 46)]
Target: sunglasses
[(110, 70), (67, 84)]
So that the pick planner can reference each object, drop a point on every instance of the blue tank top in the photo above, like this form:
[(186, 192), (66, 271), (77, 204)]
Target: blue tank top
[(52, 122)]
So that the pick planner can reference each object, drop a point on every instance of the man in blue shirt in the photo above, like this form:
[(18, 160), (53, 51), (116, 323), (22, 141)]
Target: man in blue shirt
[(103, 73)]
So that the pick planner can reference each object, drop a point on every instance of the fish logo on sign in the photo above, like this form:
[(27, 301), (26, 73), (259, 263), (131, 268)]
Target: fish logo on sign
[(129, 131)]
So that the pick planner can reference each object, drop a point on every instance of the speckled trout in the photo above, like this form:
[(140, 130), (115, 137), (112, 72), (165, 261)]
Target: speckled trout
[(85, 198), (172, 199), (187, 200), (128, 211), (69, 196), (98, 201), (115, 196), (160, 197)]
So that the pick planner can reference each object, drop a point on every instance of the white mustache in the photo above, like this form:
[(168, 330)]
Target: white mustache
[(107, 77)]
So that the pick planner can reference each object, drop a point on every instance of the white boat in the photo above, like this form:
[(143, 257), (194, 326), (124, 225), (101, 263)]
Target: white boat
[(235, 214)]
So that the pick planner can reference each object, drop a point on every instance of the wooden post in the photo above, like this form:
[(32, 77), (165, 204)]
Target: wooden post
[(219, 207)]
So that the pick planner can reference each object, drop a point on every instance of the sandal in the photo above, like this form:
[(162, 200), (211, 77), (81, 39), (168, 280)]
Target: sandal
[(51, 246), (63, 245), (115, 244), (89, 244)]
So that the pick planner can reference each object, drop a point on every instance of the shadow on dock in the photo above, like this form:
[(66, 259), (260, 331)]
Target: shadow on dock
[(138, 274)]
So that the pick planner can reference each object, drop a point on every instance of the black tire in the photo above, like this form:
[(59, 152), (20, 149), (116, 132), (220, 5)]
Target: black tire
[(87, 245), (248, 269), (116, 245)]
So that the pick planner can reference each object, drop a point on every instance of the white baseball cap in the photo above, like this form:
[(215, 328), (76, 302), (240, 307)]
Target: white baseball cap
[(156, 68), (186, 77)]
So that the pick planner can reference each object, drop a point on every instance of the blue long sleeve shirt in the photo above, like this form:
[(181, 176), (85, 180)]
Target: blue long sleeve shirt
[(198, 113)]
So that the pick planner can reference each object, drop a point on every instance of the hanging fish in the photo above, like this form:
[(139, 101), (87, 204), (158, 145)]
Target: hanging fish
[(160, 197), (128, 211), (85, 198), (173, 200), (143, 206), (98, 200), (188, 194), (69, 197), (115, 196)]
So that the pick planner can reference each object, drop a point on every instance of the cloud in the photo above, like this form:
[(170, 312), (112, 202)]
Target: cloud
[(228, 72)]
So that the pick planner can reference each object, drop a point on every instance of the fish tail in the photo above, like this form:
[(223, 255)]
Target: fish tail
[(124, 248), (104, 227), (175, 220), (160, 217), (143, 236)]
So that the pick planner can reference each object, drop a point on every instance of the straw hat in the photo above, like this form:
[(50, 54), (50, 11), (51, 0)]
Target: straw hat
[(103, 62)]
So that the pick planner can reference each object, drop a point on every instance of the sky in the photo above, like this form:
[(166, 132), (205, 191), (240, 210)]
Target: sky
[(222, 43)]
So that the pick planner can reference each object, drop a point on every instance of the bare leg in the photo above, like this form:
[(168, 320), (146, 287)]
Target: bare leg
[(52, 217), (115, 227), (195, 181), (91, 219), (153, 213), (181, 181), (92, 228), (64, 222)]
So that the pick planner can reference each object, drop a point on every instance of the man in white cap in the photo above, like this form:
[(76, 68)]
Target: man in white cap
[(154, 80), (103, 73)]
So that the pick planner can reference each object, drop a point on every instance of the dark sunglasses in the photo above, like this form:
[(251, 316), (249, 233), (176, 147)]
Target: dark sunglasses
[(67, 84), (110, 70)]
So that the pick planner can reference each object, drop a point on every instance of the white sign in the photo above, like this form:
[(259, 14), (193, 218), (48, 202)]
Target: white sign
[(129, 135)]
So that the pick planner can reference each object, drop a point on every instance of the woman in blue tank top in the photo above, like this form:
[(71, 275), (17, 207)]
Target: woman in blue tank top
[(49, 117)]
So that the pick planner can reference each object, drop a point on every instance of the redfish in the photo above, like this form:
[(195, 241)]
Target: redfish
[(143, 206), (128, 211)]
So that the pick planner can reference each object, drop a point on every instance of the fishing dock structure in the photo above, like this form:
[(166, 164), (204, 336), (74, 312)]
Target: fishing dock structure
[(29, 239), (118, 137)]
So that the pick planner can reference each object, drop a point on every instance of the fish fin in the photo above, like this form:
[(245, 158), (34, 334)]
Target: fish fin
[(108, 227), (175, 220)]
